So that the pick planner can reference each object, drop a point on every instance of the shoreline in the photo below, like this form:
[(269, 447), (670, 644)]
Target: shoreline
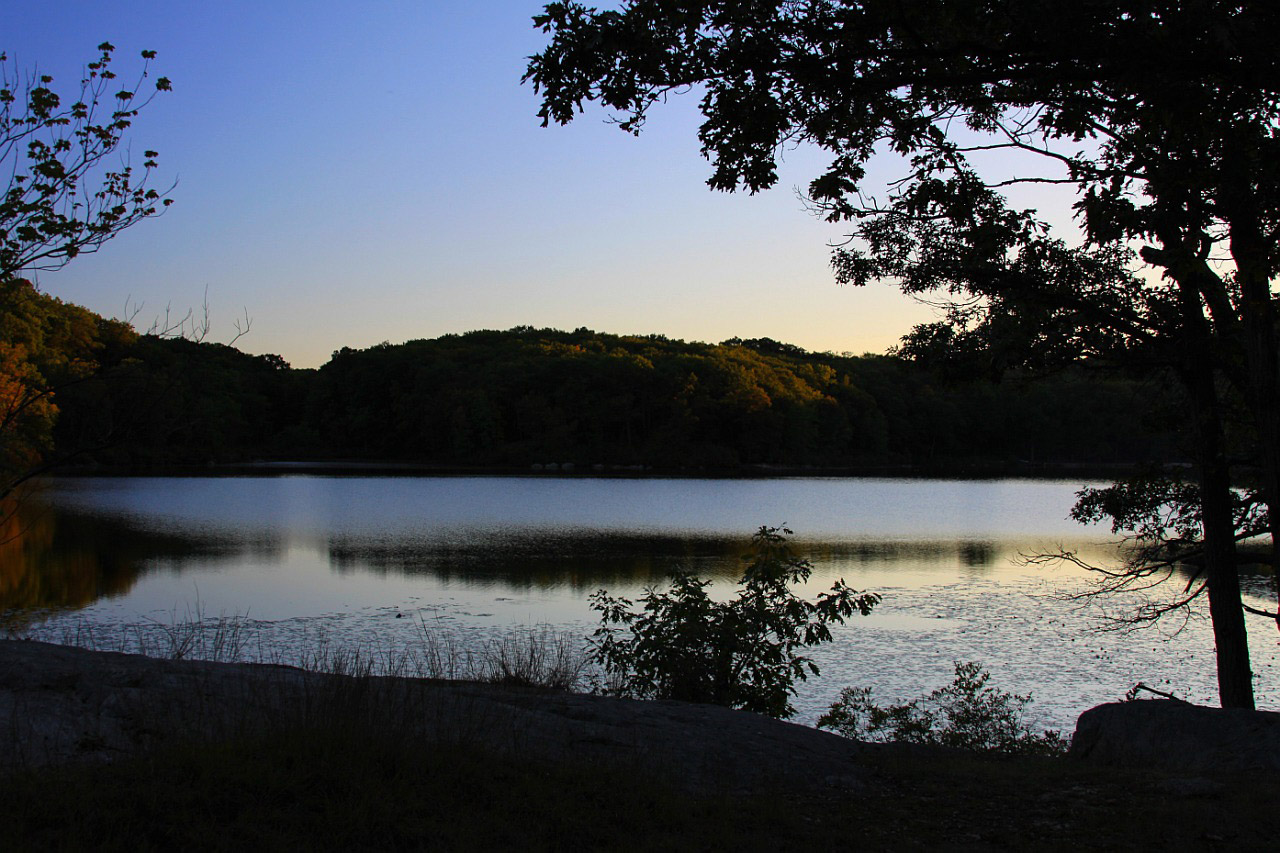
[(66, 704), (103, 749), (396, 468)]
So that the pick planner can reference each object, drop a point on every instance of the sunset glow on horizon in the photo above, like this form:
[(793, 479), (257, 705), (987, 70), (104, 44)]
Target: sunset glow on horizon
[(348, 175)]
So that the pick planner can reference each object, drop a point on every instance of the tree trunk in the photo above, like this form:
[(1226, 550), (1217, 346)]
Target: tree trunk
[(1263, 395), (1266, 414), (1235, 677)]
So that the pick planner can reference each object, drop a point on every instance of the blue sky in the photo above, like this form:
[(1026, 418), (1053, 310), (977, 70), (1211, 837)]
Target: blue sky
[(350, 173)]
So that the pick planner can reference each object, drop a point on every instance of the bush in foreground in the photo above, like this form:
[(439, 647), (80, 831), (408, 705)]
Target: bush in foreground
[(743, 653), (967, 714)]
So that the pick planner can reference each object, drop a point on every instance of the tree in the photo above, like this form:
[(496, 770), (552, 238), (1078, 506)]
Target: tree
[(741, 653), (63, 199), (1159, 518), (46, 348), (1162, 117)]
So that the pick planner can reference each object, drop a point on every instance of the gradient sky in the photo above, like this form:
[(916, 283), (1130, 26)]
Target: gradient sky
[(350, 173)]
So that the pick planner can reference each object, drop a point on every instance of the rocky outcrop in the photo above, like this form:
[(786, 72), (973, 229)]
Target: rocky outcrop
[(61, 704), (1178, 736)]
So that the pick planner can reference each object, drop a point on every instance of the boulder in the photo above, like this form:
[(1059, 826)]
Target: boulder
[(1178, 736)]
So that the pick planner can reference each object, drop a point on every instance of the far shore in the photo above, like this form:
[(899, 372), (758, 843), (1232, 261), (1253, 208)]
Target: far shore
[(401, 468)]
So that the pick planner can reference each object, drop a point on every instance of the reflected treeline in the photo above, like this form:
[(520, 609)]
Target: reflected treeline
[(580, 559), (974, 554), (1257, 576), (56, 558), (584, 560)]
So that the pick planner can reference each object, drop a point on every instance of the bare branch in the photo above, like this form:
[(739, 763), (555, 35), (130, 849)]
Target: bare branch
[(242, 328)]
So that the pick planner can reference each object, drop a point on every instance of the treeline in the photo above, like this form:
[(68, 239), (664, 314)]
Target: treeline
[(529, 397)]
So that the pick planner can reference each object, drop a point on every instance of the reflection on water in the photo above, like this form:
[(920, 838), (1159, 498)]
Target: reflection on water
[(583, 561), (821, 509), (86, 539), (65, 557), (341, 561), (51, 560)]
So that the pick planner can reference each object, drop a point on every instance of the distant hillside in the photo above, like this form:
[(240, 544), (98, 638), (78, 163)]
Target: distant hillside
[(532, 396)]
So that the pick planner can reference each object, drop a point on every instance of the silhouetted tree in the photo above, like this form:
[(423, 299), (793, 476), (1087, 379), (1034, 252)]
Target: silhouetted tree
[(1160, 116), (63, 198)]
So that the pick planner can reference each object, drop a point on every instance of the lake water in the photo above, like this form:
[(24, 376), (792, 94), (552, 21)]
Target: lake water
[(339, 562)]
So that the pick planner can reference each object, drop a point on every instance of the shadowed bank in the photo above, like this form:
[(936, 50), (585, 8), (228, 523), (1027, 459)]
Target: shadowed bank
[(116, 751)]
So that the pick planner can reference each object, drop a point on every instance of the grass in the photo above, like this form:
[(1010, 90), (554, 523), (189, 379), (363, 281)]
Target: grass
[(346, 787), (531, 656), (315, 790), (387, 691), (356, 762)]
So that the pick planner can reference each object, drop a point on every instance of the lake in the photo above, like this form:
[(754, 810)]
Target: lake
[(310, 562)]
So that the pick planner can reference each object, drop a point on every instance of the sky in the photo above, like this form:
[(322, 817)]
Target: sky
[(352, 173)]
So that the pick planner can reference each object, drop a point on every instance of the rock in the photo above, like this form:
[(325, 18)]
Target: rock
[(1194, 786), (60, 704), (1178, 736)]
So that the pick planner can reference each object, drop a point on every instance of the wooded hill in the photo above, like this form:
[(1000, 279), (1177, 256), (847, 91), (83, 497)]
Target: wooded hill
[(528, 397)]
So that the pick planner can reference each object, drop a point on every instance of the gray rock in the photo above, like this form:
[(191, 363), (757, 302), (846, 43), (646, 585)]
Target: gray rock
[(1178, 736), (1193, 786), (60, 704)]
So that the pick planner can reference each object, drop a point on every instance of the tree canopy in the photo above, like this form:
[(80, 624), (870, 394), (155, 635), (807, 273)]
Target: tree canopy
[(64, 197), (46, 346), (1162, 118), (527, 397)]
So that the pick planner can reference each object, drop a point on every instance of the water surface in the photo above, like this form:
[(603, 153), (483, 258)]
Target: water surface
[(366, 561)]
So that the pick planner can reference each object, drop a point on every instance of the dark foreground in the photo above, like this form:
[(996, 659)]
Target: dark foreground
[(117, 752)]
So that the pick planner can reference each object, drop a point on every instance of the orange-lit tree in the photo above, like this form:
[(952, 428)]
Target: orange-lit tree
[(46, 346)]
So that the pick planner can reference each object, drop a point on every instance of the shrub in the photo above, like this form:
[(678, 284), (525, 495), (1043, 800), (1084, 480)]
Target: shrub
[(742, 653), (966, 714)]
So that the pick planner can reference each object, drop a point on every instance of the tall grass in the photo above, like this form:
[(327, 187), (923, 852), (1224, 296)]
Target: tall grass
[(529, 656), (537, 657), (420, 692), (189, 636)]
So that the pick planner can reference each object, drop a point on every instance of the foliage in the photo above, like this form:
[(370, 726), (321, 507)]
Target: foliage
[(535, 657), (1174, 162), (967, 714), (178, 401), (741, 653), (46, 347), (1164, 513), (62, 198), (1082, 95), (1160, 521), (529, 396)]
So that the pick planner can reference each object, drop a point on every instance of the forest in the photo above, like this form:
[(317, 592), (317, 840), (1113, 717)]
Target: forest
[(88, 393)]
